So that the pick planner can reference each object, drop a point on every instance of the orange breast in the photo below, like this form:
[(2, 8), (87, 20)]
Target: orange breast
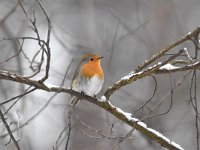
[(91, 69)]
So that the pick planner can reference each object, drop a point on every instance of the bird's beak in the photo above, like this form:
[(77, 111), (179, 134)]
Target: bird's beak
[(100, 57)]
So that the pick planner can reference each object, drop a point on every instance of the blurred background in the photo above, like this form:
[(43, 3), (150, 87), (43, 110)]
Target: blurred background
[(126, 33)]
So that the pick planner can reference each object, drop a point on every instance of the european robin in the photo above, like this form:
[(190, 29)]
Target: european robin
[(88, 77)]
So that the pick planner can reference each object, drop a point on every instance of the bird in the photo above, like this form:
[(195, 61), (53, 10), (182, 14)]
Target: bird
[(88, 77)]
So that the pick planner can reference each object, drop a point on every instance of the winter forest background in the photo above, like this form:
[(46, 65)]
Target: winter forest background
[(126, 33)]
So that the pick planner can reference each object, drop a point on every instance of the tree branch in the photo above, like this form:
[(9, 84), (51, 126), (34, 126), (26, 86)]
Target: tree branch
[(168, 48), (123, 116), (134, 74)]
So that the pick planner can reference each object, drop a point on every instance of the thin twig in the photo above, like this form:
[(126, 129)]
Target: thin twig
[(18, 96), (59, 137), (154, 91), (20, 50), (194, 85), (96, 131), (69, 129), (124, 138), (178, 83), (168, 109), (48, 53), (9, 131)]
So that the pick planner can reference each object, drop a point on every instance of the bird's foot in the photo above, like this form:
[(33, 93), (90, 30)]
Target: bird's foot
[(82, 94)]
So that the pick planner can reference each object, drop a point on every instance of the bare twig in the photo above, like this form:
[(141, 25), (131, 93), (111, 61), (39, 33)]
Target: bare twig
[(122, 139), (113, 43), (9, 131), (178, 83), (154, 91), (100, 133), (9, 14), (59, 138), (48, 52), (19, 96), (20, 50), (69, 128), (96, 131), (46, 43), (194, 85), (168, 109)]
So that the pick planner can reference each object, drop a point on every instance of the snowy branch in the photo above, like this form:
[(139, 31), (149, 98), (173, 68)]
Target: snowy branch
[(138, 73), (103, 103), (167, 48), (140, 126), (133, 76)]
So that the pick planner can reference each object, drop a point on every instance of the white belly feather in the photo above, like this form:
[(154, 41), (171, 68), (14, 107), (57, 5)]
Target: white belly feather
[(93, 86), (89, 86)]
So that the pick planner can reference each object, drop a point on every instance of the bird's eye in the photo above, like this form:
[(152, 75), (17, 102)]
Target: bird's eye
[(91, 59)]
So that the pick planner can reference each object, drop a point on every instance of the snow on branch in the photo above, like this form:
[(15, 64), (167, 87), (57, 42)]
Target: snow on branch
[(168, 68), (138, 125)]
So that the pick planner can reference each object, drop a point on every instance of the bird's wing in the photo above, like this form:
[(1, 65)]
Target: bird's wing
[(78, 69), (76, 72)]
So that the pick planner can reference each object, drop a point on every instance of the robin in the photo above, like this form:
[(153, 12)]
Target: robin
[(88, 77)]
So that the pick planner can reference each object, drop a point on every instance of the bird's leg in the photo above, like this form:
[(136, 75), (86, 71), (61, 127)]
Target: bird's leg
[(95, 96), (82, 94)]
